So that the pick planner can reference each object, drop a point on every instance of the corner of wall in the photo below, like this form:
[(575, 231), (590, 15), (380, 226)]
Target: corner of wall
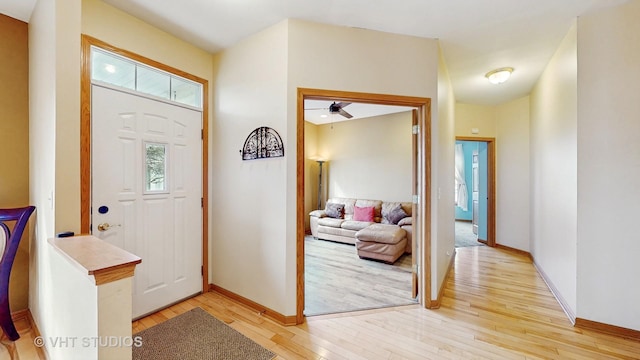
[(553, 156), (442, 194)]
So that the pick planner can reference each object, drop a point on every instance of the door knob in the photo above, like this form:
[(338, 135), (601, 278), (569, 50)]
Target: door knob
[(106, 226)]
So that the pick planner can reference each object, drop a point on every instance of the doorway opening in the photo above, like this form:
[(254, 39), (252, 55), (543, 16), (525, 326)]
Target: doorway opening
[(342, 273), (421, 171), (475, 192)]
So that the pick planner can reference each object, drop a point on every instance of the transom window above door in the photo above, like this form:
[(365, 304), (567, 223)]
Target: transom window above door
[(119, 71)]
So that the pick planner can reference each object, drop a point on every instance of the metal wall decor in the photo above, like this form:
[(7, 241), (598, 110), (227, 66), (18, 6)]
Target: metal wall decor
[(263, 142)]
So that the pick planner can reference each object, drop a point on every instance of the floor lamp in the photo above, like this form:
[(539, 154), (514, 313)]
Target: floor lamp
[(320, 162)]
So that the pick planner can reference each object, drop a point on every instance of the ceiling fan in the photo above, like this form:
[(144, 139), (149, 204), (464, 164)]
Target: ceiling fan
[(337, 108)]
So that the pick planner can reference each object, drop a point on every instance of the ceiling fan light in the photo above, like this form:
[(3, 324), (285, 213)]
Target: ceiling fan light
[(498, 76)]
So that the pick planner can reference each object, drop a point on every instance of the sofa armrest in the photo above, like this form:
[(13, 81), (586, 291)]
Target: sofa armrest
[(409, 230), (405, 221), (318, 213)]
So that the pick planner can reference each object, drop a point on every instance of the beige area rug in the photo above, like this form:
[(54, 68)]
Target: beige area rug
[(196, 335)]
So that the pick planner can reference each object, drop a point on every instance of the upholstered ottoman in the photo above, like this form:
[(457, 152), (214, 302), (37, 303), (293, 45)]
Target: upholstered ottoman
[(381, 242)]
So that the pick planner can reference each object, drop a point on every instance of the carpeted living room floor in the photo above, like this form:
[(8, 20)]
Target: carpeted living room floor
[(337, 280)]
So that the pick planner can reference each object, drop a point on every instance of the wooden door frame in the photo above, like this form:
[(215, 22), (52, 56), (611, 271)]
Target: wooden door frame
[(422, 227), (491, 186), (85, 139)]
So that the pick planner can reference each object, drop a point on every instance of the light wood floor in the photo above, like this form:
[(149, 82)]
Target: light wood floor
[(337, 280), (495, 307), (25, 347)]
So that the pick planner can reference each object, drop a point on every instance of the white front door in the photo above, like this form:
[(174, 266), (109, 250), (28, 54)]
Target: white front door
[(146, 172)]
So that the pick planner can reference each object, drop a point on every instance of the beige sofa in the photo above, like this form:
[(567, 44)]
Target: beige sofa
[(378, 239)]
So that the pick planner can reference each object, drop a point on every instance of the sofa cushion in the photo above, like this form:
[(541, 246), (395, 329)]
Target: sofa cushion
[(337, 231), (392, 215), (406, 221), (387, 206), (330, 222), (364, 213), (381, 233), (334, 210), (409, 230), (379, 251), (376, 204), (349, 203), (355, 225)]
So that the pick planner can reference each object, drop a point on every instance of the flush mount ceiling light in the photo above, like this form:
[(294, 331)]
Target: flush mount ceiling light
[(498, 76)]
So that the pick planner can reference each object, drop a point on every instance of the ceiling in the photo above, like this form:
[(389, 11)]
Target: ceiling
[(476, 36), (317, 111)]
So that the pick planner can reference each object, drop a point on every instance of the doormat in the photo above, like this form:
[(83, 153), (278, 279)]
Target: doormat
[(196, 335)]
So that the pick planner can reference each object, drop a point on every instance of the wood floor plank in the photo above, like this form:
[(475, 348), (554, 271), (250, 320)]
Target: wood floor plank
[(334, 271), (495, 306)]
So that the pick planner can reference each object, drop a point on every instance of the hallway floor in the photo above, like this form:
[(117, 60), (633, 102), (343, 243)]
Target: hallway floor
[(495, 306)]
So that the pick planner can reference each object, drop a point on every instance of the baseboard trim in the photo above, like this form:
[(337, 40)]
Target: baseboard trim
[(41, 350), (509, 248), (435, 304), (265, 311), (563, 303), (607, 329), (20, 314), (585, 324), (554, 291)]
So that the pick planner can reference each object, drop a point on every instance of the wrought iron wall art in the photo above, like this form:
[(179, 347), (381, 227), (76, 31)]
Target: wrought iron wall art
[(263, 142)]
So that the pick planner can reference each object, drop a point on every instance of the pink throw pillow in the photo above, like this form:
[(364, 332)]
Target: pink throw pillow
[(363, 213)]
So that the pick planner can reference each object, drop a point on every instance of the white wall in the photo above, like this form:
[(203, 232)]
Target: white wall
[(67, 90), (509, 125), (249, 205), (473, 116), (369, 158), (74, 306), (120, 29), (553, 171), (368, 61), (42, 143), (442, 192), (512, 174), (254, 254), (54, 103), (608, 166)]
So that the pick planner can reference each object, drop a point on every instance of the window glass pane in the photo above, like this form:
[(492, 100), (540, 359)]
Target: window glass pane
[(156, 167), (112, 69), (186, 92), (153, 82), (123, 72)]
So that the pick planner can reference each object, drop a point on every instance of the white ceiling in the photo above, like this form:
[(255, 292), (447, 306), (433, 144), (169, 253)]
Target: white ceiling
[(17, 9), (476, 35), (317, 111)]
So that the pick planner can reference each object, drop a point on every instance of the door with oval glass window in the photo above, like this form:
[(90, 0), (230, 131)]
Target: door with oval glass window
[(146, 191)]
